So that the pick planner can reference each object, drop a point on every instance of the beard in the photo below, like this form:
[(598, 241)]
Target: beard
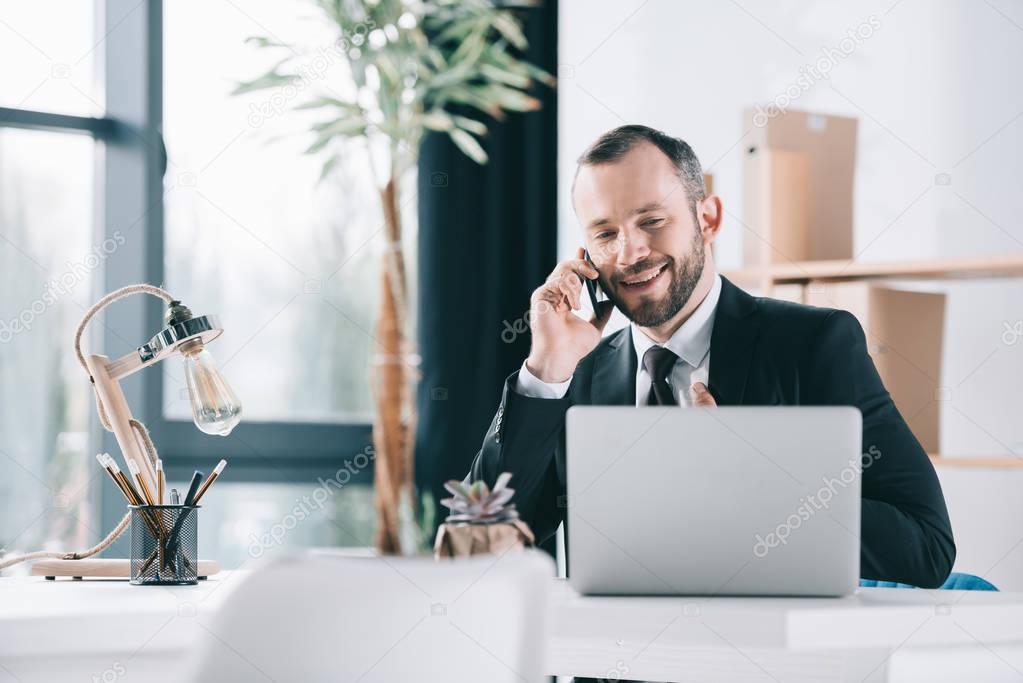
[(685, 274)]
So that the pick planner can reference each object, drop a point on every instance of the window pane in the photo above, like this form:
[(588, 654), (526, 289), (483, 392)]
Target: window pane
[(49, 52), (290, 264), (249, 522), (47, 265)]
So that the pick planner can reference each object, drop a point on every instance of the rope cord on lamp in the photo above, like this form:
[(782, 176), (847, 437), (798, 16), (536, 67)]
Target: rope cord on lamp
[(215, 408)]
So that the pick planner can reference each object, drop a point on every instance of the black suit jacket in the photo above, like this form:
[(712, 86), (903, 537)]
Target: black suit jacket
[(763, 352)]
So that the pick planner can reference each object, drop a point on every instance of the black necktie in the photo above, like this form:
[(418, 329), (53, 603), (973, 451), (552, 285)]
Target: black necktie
[(658, 362)]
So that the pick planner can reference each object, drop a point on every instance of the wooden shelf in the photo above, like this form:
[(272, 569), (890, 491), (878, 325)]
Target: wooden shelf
[(978, 462), (804, 272)]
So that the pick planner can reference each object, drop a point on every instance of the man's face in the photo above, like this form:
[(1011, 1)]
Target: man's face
[(641, 234)]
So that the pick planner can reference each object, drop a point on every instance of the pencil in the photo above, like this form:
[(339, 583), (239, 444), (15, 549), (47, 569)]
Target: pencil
[(133, 495), (102, 458), (136, 472), (159, 482), (209, 480)]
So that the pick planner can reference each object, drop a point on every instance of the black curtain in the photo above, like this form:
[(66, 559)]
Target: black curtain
[(487, 238)]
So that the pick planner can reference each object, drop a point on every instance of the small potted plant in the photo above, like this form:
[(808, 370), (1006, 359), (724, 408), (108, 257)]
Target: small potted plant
[(482, 520)]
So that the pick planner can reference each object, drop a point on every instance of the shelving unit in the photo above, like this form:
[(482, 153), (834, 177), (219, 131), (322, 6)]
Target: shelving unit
[(807, 272), (794, 274), (978, 462)]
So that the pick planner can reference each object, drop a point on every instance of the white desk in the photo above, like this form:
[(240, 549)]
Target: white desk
[(111, 631), (879, 634)]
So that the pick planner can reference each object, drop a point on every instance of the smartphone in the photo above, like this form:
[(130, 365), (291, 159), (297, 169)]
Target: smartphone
[(598, 299)]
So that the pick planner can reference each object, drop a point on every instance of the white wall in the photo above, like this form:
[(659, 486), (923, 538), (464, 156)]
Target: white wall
[(936, 88)]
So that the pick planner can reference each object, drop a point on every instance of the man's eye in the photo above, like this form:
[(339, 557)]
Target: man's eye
[(604, 235), (652, 221)]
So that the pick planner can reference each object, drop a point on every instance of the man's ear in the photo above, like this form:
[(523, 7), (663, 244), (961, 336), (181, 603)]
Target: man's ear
[(710, 211)]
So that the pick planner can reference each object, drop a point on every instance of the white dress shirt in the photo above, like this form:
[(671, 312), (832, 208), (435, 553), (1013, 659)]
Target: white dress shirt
[(691, 343)]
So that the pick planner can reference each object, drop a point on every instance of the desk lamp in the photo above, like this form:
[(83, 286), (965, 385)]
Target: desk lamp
[(215, 410)]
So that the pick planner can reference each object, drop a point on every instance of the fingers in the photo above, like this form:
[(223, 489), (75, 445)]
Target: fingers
[(563, 287), (550, 297), (578, 266), (700, 395)]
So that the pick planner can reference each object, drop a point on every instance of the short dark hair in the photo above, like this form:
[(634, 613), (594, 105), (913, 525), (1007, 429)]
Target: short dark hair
[(614, 144)]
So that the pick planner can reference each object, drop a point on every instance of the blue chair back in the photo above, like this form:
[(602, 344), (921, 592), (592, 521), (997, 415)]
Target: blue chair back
[(956, 581)]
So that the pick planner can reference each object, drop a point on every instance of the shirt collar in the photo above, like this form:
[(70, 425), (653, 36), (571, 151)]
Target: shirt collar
[(691, 341)]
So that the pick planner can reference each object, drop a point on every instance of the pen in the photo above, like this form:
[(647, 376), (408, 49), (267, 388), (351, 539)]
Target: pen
[(209, 481), (193, 486), (175, 499), (160, 481), (172, 539)]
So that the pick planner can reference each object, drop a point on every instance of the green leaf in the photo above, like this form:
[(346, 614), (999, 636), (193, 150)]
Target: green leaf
[(470, 125), (457, 488), (508, 27), (509, 98), (329, 102), (329, 166), (502, 481), (263, 41), (473, 97), (495, 73), (468, 145), (271, 79), (438, 120), (337, 129)]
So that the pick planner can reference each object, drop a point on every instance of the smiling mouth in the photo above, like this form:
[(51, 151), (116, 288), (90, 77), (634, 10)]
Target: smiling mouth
[(645, 279)]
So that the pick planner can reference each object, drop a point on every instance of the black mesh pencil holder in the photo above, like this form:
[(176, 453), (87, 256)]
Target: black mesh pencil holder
[(164, 544)]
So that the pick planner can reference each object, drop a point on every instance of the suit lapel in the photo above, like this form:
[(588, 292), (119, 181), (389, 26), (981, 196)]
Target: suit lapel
[(614, 372), (731, 344)]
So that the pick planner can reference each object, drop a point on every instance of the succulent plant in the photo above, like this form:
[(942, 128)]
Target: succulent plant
[(476, 503)]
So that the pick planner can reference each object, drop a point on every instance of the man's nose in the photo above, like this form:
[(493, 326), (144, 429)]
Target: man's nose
[(633, 247)]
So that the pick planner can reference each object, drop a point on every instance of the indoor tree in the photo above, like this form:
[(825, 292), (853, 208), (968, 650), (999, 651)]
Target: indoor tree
[(412, 67)]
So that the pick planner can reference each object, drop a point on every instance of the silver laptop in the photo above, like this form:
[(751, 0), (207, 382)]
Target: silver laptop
[(714, 501)]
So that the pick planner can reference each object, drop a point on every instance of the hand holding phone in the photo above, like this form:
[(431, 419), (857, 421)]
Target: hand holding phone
[(560, 338)]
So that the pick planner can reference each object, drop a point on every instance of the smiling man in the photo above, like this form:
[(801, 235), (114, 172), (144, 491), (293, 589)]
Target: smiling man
[(696, 339)]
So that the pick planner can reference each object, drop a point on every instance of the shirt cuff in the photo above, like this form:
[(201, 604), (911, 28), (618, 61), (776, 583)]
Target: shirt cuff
[(530, 386)]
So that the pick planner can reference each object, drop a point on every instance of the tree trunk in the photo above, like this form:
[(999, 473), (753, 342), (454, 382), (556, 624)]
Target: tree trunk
[(391, 435)]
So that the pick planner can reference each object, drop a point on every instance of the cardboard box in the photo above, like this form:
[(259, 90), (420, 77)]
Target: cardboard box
[(776, 195), (904, 331), (829, 145)]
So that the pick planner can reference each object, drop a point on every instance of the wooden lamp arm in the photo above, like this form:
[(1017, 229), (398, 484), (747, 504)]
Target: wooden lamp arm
[(113, 408)]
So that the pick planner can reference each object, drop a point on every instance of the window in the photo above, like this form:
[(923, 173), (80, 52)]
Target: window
[(50, 256), (237, 225), (55, 58), (45, 283), (289, 262)]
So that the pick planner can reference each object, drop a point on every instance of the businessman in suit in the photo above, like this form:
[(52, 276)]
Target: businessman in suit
[(695, 339)]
